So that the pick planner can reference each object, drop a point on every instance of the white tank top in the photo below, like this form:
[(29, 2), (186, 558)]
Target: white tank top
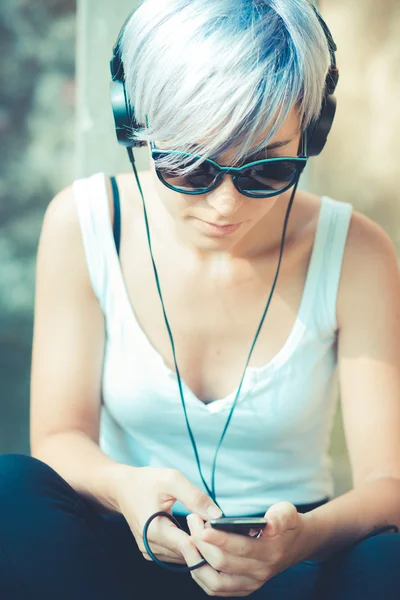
[(276, 446)]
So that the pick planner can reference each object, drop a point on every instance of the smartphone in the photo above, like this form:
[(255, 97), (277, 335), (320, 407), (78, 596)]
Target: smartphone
[(240, 525)]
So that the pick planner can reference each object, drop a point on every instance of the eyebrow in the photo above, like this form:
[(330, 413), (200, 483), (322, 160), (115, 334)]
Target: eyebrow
[(269, 148), (278, 144)]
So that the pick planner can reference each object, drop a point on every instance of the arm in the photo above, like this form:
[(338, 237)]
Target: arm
[(369, 367), (67, 358), (67, 364)]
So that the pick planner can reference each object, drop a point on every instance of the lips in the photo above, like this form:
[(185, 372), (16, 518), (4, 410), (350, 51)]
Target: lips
[(221, 224), (218, 230)]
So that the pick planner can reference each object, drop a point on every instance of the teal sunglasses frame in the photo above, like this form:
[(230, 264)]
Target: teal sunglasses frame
[(301, 160)]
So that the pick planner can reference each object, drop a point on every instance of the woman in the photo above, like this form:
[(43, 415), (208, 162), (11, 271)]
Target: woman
[(125, 424)]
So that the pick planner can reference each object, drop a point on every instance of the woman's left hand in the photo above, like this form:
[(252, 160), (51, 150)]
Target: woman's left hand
[(239, 565)]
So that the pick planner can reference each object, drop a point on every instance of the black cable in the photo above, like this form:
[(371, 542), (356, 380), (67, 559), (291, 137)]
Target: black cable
[(168, 566)]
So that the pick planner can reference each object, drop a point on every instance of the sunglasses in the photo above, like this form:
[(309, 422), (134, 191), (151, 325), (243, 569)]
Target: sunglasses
[(259, 179)]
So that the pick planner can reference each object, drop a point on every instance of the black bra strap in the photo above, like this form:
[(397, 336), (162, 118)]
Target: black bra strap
[(117, 214)]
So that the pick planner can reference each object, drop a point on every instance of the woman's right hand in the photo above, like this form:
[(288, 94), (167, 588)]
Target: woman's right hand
[(142, 492)]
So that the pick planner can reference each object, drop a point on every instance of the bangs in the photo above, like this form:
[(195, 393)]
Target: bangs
[(214, 74)]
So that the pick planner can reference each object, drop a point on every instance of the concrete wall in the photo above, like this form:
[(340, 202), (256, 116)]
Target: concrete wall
[(97, 149)]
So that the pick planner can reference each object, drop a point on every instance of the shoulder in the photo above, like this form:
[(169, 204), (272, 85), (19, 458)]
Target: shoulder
[(370, 266), (61, 214), (63, 207), (369, 251), (60, 246)]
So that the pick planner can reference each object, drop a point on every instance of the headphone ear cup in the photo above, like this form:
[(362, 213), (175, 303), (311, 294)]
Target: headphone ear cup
[(318, 131), (125, 122)]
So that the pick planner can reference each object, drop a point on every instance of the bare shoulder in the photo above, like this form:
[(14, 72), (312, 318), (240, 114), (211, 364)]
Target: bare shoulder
[(61, 245), (370, 265), (61, 217), (368, 248), (62, 206)]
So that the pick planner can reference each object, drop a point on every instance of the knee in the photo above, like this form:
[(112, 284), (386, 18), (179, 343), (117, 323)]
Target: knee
[(19, 475), (370, 568), (380, 552)]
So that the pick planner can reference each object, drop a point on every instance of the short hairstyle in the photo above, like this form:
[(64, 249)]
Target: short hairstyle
[(210, 73)]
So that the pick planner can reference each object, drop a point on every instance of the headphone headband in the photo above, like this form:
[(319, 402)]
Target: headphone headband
[(317, 132)]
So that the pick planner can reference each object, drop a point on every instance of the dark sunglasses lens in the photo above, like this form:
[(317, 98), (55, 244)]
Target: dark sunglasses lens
[(268, 178), (202, 178)]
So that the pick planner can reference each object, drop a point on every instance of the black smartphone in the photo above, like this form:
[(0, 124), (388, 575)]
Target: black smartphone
[(240, 525)]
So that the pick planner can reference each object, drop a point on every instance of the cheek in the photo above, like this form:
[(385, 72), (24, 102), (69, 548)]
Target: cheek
[(259, 208), (167, 197), (175, 204)]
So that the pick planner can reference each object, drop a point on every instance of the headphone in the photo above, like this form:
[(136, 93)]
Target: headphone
[(124, 112)]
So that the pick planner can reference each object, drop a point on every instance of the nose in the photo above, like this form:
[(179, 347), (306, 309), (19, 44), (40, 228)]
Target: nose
[(225, 198)]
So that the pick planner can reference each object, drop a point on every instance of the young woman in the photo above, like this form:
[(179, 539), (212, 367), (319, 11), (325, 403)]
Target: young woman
[(142, 400)]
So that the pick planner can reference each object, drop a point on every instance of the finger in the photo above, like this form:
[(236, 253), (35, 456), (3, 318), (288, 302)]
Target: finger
[(255, 533), (165, 558), (194, 499), (196, 525), (214, 583), (164, 535), (162, 554), (169, 535), (233, 543), (218, 558), (158, 551), (193, 557), (281, 517), (222, 561)]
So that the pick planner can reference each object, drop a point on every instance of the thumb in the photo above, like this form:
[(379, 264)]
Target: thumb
[(281, 517), (191, 497)]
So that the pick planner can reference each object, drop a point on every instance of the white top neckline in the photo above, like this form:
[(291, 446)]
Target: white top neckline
[(253, 373)]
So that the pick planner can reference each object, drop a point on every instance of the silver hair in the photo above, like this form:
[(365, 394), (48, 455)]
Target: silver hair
[(211, 75)]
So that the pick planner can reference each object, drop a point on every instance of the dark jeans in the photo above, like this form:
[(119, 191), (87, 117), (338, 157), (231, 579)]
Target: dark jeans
[(54, 545)]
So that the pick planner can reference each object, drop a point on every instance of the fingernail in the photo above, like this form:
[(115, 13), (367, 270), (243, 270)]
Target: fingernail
[(190, 522), (214, 512), (272, 527)]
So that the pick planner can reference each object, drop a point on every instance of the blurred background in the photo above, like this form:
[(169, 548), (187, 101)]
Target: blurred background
[(56, 126)]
